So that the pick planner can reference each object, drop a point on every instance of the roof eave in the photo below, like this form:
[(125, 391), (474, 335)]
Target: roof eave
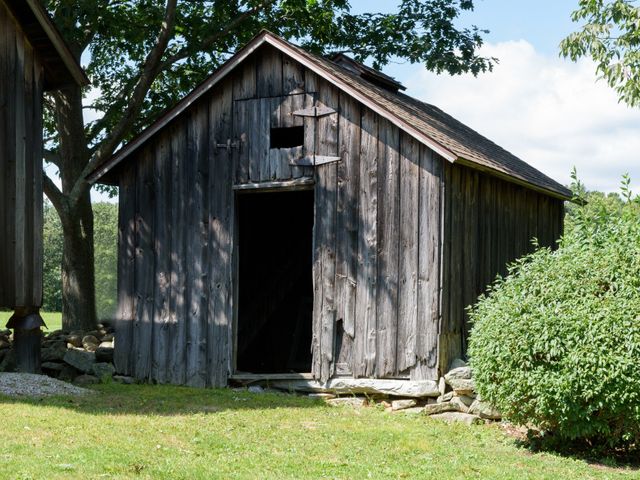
[(561, 193), (60, 67), (74, 69)]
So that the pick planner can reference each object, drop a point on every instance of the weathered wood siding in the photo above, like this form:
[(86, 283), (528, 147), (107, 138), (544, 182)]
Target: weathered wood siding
[(176, 264), (397, 249), (488, 223), (21, 79)]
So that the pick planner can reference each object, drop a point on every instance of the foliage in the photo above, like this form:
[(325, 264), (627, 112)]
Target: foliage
[(556, 343), (165, 432), (51, 274), (106, 239), (106, 258), (611, 37)]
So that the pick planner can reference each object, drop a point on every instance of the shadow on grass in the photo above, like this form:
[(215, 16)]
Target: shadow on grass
[(599, 457), (116, 399)]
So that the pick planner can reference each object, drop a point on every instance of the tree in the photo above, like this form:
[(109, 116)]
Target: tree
[(144, 55), (611, 37), (106, 236)]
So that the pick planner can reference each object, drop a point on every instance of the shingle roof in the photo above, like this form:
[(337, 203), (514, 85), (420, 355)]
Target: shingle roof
[(450, 138)]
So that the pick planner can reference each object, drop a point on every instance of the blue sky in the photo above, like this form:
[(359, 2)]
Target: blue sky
[(549, 111)]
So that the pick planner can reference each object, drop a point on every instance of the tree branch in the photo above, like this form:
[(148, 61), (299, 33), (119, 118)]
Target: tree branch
[(52, 157), (53, 193), (211, 39), (149, 71)]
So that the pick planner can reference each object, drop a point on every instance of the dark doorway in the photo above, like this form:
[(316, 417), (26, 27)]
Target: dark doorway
[(275, 298)]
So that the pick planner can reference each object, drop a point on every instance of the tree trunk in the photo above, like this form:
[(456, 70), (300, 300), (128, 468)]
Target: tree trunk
[(78, 270), (76, 215)]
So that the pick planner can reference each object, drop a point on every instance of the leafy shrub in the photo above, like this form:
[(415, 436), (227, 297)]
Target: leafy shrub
[(556, 343)]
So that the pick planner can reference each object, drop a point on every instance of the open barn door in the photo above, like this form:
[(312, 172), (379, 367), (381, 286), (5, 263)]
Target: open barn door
[(286, 143)]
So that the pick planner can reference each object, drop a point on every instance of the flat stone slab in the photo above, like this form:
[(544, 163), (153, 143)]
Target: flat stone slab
[(80, 359), (397, 388), (32, 385)]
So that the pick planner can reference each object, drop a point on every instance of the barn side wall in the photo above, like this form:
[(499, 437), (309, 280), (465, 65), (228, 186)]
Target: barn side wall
[(377, 232), (21, 77), (488, 223)]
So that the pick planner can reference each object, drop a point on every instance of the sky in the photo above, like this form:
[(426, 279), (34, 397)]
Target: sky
[(550, 112)]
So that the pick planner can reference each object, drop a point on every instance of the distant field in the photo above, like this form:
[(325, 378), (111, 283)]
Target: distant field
[(52, 319)]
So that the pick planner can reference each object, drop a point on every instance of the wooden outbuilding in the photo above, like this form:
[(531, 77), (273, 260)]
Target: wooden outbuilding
[(300, 217), (33, 59)]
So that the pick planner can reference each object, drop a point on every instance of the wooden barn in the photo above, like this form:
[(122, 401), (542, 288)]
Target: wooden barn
[(33, 59), (300, 217)]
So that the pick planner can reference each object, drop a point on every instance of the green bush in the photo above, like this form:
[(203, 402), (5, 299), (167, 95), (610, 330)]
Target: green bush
[(556, 344)]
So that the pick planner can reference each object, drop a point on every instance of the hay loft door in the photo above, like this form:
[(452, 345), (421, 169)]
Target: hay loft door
[(275, 296)]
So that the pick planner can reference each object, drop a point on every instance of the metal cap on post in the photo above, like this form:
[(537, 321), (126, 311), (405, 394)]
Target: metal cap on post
[(26, 324)]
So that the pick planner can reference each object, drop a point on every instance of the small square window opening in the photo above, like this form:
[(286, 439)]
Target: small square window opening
[(287, 137)]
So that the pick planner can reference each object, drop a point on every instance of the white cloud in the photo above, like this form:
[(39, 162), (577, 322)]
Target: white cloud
[(550, 112)]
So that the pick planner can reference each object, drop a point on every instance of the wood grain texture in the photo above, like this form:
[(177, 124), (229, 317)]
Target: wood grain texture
[(325, 238), (388, 247), (408, 269), (367, 270), (220, 211), (196, 170), (162, 252), (348, 181), (123, 358), (144, 266), (429, 266)]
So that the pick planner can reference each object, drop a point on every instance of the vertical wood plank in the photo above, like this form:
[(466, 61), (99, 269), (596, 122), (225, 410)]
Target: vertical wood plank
[(162, 252), (269, 72), (241, 155), (292, 76), (177, 335), (445, 275), (244, 81), (20, 215), (348, 182), (310, 137), (325, 237), (196, 170), (408, 269), (37, 146), (126, 272), (255, 138), (9, 153), (365, 335), (469, 252), (144, 268), (220, 306), (429, 228), (388, 229)]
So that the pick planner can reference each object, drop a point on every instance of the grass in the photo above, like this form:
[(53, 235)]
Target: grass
[(144, 431), (52, 319)]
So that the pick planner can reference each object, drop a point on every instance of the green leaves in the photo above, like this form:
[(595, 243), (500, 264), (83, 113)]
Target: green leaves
[(610, 36), (556, 343)]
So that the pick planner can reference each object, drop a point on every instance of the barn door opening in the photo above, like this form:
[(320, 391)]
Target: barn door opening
[(275, 297)]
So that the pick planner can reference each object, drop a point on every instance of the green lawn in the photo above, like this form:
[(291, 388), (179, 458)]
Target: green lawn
[(144, 431), (52, 319)]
